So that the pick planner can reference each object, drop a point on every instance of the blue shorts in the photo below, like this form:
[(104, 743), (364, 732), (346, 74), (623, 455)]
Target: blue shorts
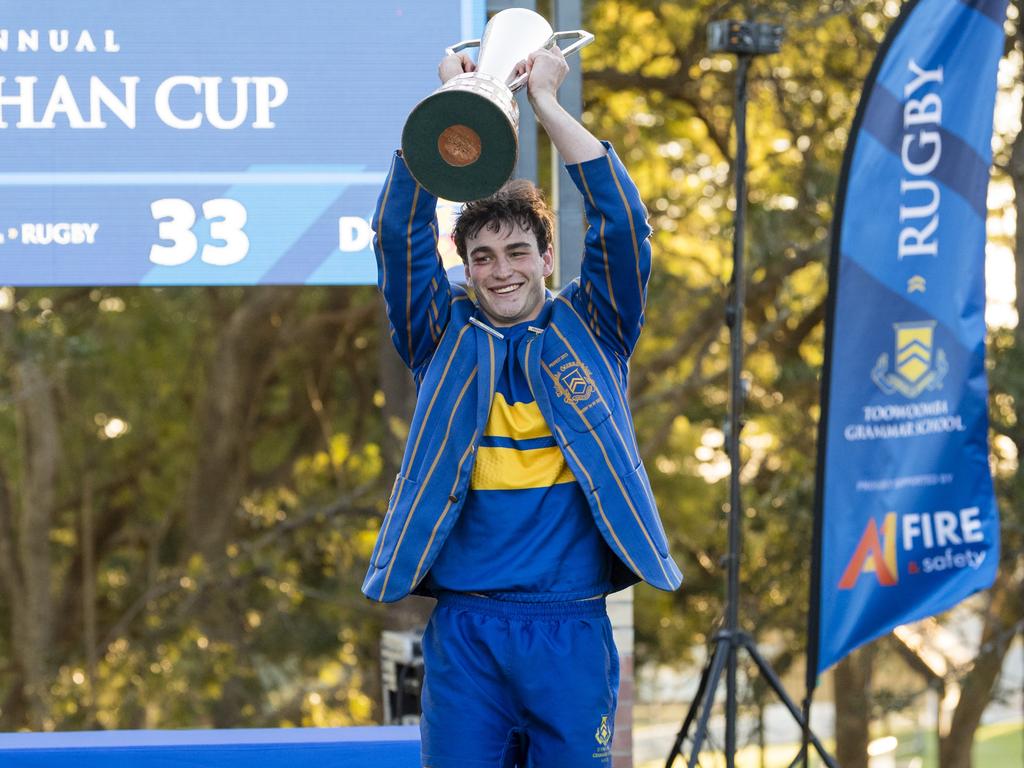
[(506, 684)]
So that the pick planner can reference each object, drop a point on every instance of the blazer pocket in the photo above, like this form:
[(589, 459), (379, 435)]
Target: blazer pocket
[(582, 415), (574, 393), (403, 489)]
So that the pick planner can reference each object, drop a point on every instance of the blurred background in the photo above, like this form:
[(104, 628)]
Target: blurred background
[(191, 479)]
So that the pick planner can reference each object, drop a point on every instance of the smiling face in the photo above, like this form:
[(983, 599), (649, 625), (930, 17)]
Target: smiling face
[(507, 270)]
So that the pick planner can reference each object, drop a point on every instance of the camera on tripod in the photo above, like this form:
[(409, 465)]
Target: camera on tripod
[(744, 37)]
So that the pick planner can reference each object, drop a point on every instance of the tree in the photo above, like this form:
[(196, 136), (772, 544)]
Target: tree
[(192, 496)]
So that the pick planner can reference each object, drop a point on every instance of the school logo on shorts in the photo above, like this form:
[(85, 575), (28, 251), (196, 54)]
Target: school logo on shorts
[(575, 384), (603, 735), (604, 732)]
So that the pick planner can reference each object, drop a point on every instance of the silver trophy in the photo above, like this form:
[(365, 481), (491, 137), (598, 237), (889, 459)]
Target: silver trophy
[(462, 141)]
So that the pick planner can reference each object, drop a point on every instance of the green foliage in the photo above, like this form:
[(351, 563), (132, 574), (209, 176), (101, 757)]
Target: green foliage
[(274, 621)]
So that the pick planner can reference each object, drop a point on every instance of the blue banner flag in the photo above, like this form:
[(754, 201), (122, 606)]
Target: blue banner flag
[(198, 143), (906, 521)]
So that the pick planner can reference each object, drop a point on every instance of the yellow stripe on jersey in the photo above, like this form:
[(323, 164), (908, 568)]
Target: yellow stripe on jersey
[(520, 421), (508, 469)]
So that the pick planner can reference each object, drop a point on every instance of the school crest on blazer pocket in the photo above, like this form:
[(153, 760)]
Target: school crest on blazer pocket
[(575, 391), (574, 383)]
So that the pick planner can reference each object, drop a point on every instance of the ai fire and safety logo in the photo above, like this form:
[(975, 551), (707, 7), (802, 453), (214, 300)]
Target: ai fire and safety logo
[(930, 542), (919, 366)]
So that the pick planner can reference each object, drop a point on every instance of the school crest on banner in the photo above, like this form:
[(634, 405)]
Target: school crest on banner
[(919, 366)]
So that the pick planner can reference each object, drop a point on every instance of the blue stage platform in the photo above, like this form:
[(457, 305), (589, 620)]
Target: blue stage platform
[(372, 747)]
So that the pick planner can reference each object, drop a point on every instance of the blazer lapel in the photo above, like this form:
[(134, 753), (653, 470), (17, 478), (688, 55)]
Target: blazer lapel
[(529, 361), (490, 356)]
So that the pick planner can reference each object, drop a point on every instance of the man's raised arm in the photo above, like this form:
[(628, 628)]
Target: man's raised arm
[(410, 274), (575, 144), (617, 260)]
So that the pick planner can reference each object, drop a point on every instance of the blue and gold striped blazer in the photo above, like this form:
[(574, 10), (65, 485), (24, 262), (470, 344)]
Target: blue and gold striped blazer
[(576, 366)]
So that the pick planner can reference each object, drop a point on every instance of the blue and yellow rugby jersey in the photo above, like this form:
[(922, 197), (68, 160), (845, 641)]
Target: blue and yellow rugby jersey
[(526, 527)]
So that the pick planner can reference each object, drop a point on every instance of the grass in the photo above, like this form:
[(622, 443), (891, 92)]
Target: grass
[(995, 746), (1000, 745)]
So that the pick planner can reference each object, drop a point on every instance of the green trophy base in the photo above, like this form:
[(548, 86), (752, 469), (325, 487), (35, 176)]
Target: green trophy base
[(461, 144)]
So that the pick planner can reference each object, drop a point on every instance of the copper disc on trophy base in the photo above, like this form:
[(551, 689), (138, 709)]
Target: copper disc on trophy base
[(461, 144)]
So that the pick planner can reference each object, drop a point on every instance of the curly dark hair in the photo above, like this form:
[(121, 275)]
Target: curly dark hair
[(518, 202)]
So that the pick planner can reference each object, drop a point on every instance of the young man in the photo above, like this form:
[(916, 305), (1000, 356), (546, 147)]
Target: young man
[(521, 500)]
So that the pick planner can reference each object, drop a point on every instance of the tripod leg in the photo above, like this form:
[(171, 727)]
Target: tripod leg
[(691, 713), (723, 649), (776, 684)]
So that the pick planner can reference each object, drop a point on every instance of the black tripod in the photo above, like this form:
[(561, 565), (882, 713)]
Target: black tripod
[(746, 40)]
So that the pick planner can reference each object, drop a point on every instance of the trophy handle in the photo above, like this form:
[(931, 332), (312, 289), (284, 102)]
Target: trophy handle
[(582, 37), (461, 46)]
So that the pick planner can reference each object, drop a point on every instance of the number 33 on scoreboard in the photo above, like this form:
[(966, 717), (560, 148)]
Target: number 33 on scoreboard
[(177, 217)]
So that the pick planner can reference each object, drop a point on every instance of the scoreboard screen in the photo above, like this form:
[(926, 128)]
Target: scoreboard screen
[(189, 142)]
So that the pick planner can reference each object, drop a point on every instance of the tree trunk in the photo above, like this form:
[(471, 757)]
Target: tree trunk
[(235, 376), (852, 682), (25, 524), (234, 379), (37, 425), (15, 707), (90, 633), (976, 689)]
